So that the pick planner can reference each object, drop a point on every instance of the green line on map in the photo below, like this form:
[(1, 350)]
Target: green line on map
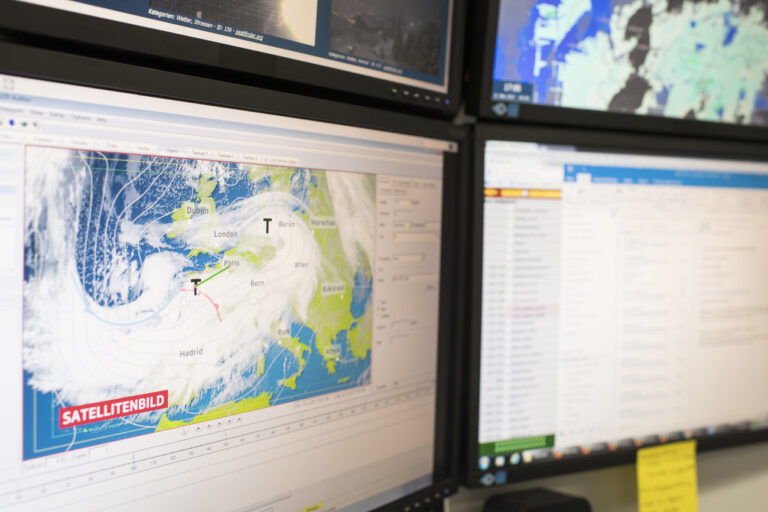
[(214, 275)]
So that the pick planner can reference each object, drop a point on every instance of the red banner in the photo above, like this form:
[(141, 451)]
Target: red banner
[(111, 409)]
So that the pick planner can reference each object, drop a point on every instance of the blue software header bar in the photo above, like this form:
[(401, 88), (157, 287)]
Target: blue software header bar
[(666, 177)]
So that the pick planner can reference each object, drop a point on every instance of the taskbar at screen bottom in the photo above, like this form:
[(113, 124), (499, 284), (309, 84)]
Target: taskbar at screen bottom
[(504, 461)]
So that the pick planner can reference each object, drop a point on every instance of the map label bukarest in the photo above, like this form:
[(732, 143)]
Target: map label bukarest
[(199, 287)]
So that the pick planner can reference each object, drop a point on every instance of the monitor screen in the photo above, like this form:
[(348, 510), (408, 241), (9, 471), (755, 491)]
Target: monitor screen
[(624, 302), (680, 59), (399, 41), (213, 308)]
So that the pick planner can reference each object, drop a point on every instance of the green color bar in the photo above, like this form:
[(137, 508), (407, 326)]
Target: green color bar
[(516, 445)]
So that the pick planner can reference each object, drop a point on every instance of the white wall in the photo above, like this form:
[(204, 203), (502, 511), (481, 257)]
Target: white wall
[(730, 480)]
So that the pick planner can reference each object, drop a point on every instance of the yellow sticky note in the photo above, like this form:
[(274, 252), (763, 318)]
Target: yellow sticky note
[(666, 478)]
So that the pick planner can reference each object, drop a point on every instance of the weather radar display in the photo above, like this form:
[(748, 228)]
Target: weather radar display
[(160, 292), (689, 59)]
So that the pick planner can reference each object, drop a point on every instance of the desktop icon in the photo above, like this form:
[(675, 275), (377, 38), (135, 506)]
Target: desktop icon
[(499, 461), (484, 463)]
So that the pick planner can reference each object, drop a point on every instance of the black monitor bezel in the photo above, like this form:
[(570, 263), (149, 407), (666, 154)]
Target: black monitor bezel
[(43, 64), (582, 139), (51, 27), (480, 61)]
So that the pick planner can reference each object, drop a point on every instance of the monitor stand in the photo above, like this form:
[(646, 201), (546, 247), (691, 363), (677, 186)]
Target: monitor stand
[(536, 500)]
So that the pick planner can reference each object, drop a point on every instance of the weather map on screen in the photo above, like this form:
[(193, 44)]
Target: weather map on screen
[(675, 58), (215, 308), (177, 291)]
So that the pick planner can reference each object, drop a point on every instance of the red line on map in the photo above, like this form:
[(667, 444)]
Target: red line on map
[(199, 293)]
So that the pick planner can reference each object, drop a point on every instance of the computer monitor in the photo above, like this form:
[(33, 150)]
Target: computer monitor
[(395, 51), (217, 308), (620, 295), (572, 62)]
